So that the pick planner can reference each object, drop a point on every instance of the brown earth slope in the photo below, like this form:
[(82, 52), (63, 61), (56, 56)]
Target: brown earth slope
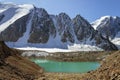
[(109, 69), (15, 67)]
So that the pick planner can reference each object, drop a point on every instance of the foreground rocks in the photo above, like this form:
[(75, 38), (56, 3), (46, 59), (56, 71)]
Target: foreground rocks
[(109, 70), (15, 67)]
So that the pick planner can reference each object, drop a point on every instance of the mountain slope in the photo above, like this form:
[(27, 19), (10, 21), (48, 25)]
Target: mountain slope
[(87, 35), (34, 27), (109, 27), (13, 21), (15, 67), (109, 69)]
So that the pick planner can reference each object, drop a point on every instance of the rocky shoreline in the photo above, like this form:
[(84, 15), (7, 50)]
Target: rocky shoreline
[(91, 56), (109, 70)]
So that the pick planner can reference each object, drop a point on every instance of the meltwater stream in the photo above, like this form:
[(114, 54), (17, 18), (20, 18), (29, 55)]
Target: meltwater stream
[(67, 67)]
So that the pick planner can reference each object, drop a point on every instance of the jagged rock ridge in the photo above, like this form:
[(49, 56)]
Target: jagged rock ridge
[(37, 28)]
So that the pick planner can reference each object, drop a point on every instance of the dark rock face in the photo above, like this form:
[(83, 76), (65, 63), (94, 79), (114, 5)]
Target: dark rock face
[(1, 17), (82, 28), (104, 43), (42, 27), (3, 52), (65, 28), (15, 30)]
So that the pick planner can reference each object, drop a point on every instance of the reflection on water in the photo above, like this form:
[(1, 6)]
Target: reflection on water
[(75, 67)]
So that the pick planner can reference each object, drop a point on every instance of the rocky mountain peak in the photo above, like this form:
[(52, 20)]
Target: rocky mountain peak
[(28, 25), (82, 28), (42, 27), (65, 28), (64, 21), (64, 16), (41, 12), (108, 26), (81, 20)]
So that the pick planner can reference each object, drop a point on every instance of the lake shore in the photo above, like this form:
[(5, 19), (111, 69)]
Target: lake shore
[(109, 70), (91, 56), (62, 76)]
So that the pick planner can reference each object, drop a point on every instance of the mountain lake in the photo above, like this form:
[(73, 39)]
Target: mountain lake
[(66, 67)]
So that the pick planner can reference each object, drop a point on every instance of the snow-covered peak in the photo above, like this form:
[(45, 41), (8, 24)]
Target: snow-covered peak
[(104, 17), (108, 26), (7, 5), (12, 12), (26, 25), (111, 20), (26, 6), (102, 20)]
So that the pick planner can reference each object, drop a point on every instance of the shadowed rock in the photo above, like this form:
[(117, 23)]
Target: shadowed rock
[(15, 67)]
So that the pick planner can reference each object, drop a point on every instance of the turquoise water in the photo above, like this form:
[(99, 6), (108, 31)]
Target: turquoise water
[(68, 67)]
